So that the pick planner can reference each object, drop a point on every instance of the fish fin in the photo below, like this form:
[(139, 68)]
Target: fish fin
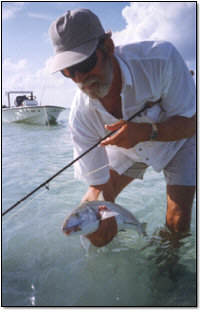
[(101, 196), (85, 243), (106, 214)]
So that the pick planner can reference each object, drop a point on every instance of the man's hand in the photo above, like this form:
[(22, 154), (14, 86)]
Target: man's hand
[(128, 134), (93, 192), (108, 227), (131, 133), (106, 231)]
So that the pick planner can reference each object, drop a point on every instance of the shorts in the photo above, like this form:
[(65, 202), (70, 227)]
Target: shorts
[(181, 170)]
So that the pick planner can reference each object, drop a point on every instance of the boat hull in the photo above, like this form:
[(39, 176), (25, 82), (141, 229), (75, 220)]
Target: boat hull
[(40, 115)]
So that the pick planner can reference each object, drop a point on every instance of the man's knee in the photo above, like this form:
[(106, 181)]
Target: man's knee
[(119, 182)]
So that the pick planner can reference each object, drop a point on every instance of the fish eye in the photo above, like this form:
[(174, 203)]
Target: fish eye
[(77, 229)]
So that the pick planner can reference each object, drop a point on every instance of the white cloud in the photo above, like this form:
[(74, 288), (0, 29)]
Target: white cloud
[(41, 16), (49, 89), (10, 9), (14, 67), (171, 21), (14, 73)]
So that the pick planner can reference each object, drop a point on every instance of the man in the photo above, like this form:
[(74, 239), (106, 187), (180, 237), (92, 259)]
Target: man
[(114, 83)]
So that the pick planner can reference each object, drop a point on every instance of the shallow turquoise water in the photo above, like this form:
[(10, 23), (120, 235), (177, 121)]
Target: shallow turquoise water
[(43, 267)]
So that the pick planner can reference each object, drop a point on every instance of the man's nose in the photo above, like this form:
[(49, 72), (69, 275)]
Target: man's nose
[(79, 77)]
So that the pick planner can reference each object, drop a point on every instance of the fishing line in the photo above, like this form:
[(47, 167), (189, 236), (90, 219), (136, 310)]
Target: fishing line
[(148, 105), (29, 202)]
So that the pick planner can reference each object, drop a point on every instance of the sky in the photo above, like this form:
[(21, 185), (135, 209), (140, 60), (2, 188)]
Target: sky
[(27, 49)]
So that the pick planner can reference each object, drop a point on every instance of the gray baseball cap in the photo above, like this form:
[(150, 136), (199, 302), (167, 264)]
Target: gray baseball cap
[(75, 36)]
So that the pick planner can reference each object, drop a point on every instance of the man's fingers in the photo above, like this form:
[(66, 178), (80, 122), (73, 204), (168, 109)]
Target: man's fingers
[(113, 140), (115, 126), (108, 228)]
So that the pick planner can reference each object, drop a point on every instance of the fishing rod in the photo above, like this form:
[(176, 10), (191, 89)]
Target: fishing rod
[(45, 184)]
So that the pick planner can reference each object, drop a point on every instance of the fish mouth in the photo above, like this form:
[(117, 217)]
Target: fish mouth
[(69, 230)]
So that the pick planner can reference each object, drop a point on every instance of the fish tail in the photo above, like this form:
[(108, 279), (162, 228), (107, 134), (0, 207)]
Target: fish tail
[(144, 226)]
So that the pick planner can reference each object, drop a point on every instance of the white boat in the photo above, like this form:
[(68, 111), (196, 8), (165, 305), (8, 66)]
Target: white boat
[(26, 109)]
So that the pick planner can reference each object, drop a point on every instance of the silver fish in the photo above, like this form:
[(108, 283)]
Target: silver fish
[(85, 219)]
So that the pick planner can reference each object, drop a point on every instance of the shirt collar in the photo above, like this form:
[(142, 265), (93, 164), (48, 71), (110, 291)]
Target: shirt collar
[(125, 72), (126, 80)]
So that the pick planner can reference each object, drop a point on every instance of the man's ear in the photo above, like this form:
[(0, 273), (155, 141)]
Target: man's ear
[(109, 46)]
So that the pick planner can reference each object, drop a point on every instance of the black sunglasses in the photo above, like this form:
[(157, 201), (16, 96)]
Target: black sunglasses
[(83, 67)]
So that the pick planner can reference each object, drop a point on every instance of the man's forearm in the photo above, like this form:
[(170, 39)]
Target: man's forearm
[(94, 191), (176, 128), (130, 133), (110, 189)]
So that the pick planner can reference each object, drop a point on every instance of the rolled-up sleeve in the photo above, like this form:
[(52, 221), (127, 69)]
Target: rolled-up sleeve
[(179, 92), (93, 167)]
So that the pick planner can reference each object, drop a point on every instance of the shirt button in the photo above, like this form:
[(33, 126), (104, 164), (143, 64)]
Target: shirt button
[(147, 158), (140, 149)]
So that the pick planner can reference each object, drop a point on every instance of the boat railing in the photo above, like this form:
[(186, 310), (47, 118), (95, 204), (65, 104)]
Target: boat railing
[(30, 103), (18, 92)]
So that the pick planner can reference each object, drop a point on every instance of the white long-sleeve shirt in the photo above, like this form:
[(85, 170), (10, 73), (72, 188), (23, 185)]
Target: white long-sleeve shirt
[(150, 70)]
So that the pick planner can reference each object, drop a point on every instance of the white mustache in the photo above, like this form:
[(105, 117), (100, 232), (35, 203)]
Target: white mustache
[(83, 85)]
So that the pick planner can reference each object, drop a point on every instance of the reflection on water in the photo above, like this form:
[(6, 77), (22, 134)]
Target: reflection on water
[(32, 298), (43, 267), (127, 272)]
